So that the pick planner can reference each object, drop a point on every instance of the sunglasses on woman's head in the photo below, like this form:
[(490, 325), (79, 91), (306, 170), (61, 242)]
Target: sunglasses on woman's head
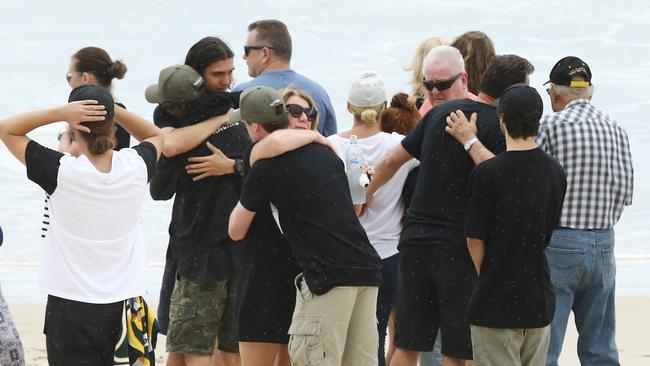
[(296, 111), (440, 85)]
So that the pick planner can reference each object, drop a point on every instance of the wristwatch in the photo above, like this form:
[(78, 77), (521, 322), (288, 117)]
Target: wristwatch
[(239, 166), (468, 144)]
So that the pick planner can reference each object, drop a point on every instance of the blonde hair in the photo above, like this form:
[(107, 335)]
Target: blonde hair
[(366, 114), (417, 89), (291, 91)]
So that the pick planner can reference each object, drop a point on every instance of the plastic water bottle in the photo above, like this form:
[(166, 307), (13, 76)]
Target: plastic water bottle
[(356, 181)]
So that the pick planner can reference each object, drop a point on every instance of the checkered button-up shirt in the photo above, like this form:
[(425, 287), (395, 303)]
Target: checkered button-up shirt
[(595, 153)]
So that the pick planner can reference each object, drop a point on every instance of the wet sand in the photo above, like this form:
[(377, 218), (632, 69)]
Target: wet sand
[(633, 322)]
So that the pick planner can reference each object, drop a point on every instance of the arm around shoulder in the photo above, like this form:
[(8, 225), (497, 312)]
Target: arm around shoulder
[(187, 138)]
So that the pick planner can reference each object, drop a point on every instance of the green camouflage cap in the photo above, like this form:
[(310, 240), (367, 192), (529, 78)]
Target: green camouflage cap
[(259, 104), (176, 84)]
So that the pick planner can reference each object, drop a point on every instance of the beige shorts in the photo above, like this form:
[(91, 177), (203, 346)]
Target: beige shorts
[(337, 328), (497, 347)]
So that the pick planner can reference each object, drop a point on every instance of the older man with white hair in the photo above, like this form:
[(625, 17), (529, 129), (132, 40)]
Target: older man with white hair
[(444, 77)]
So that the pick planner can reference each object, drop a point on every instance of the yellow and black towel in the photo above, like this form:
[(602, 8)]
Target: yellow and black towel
[(139, 334)]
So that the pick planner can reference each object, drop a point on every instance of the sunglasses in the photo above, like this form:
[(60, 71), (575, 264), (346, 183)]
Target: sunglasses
[(247, 49), (296, 111), (68, 76), (440, 85)]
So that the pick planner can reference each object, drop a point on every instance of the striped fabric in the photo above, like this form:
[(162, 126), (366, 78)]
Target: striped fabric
[(46, 217), (595, 153)]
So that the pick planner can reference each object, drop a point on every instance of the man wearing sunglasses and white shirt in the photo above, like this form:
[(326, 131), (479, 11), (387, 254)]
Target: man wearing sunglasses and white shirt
[(268, 56), (436, 275)]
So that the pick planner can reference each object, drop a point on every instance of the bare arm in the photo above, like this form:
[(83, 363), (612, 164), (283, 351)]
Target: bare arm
[(282, 141), (140, 128), (463, 130), (135, 125), (477, 252), (240, 221), (186, 138), (13, 130), (388, 165)]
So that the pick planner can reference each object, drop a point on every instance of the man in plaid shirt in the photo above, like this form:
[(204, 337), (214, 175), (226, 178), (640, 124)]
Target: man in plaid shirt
[(594, 151)]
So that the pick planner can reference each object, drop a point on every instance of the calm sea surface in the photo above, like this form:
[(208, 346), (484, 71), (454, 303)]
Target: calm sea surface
[(333, 40)]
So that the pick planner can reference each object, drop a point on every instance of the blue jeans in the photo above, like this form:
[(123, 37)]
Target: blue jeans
[(583, 274)]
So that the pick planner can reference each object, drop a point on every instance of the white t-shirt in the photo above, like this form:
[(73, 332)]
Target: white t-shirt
[(382, 220), (94, 251)]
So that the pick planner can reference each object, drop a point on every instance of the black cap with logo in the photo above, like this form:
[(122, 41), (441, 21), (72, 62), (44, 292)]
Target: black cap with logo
[(568, 67)]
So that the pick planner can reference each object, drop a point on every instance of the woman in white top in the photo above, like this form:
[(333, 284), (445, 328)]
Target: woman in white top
[(382, 220), (94, 256)]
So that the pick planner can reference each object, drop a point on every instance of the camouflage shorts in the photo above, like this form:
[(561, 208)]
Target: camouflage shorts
[(199, 315)]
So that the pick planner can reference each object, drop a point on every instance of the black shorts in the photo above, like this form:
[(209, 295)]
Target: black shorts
[(166, 288), (434, 288), (79, 333), (266, 296)]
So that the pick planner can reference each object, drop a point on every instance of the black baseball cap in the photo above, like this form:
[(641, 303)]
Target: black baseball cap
[(521, 98), (568, 67), (94, 92)]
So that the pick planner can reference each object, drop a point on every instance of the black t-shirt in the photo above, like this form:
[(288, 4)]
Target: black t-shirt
[(43, 163), (309, 187), (121, 135), (437, 210), (514, 205), (199, 226)]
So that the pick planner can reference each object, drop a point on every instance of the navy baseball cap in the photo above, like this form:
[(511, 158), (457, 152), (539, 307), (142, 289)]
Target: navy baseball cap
[(565, 69), (521, 98)]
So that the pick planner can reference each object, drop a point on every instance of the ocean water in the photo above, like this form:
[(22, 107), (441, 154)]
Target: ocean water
[(333, 41)]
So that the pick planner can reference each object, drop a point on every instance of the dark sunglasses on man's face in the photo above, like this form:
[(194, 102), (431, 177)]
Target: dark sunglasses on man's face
[(440, 85), (68, 77), (296, 111), (247, 49)]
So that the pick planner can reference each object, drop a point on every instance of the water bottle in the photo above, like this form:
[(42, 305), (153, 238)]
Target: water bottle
[(356, 181)]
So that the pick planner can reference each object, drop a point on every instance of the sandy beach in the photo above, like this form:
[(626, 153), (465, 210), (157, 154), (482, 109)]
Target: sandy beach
[(633, 322)]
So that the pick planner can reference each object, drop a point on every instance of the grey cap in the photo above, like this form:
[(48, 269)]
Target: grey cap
[(259, 104), (176, 84)]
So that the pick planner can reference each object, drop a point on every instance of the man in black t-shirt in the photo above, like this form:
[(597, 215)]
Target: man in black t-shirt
[(514, 204), (436, 275), (334, 320)]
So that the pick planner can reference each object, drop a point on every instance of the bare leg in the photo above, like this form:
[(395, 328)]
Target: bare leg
[(197, 360), (258, 354), (450, 361), (282, 357), (229, 359), (404, 357), (175, 359)]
